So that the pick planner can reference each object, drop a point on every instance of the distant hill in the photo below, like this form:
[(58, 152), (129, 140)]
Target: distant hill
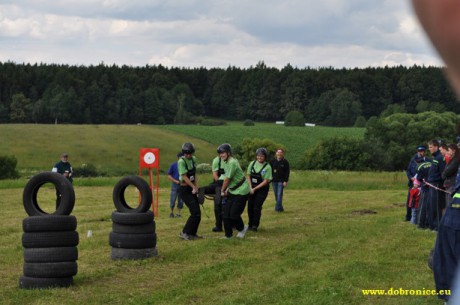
[(111, 148), (115, 148)]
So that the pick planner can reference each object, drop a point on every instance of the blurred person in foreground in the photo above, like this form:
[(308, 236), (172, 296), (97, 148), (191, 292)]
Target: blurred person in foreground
[(441, 21)]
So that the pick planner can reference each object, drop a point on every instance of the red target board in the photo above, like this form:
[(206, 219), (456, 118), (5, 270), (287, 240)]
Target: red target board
[(149, 158)]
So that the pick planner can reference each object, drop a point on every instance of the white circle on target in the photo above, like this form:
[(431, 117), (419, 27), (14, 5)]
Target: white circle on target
[(149, 158)]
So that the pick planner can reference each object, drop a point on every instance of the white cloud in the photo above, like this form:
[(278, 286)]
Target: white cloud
[(354, 33)]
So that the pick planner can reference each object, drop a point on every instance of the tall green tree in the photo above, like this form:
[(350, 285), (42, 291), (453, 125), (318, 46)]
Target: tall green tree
[(21, 109)]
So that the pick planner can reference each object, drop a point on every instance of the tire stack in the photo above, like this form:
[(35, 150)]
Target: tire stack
[(50, 240), (133, 233)]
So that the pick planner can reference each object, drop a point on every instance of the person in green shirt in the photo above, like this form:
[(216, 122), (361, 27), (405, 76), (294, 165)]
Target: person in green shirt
[(236, 188), (259, 175), (189, 190)]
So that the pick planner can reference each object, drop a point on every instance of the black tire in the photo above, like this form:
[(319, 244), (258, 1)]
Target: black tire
[(48, 223), (133, 241), (146, 228), (53, 270), (122, 253), (49, 239), (132, 218), (65, 188), (119, 195), (50, 255), (26, 282)]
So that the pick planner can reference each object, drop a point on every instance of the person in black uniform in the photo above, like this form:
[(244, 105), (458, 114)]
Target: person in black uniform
[(64, 168), (281, 171), (436, 199), (441, 21)]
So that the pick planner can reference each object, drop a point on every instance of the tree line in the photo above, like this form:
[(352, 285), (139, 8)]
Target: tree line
[(103, 94)]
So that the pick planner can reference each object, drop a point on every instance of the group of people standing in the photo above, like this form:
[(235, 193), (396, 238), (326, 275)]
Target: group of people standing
[(232, 189), (434, 203), (431, 183)]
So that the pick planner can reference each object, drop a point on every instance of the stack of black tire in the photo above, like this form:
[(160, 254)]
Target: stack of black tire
[(50, 240), (133, 233)]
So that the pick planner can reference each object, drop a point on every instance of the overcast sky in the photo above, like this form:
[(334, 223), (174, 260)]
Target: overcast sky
[(214, 33)]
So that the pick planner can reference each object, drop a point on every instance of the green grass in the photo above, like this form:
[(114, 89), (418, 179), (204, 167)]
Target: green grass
[(111, 148), (301, 180), (296, 139), (320, 251), (114, 149)]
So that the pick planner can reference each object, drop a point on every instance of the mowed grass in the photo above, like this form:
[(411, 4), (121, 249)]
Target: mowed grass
[(296, 139), (324, 249), (113, 149)]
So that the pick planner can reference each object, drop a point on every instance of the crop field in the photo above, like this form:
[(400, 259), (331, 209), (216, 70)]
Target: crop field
[(333, 241), (296, 139), (114, 149)]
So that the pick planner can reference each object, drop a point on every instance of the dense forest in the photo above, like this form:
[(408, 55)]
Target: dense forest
[(43, 93)]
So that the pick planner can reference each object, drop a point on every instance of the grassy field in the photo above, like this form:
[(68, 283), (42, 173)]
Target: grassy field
[(111, 148), (335, 239), (295, 139), (114, 149)]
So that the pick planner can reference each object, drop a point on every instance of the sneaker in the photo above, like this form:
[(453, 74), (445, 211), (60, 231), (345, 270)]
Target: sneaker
[(253, 228), (193, 237), (217, 229), (178, 215), (242, 233), (184, 236), (171, 215)]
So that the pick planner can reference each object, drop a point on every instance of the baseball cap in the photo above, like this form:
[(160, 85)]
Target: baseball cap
[(421, 147)]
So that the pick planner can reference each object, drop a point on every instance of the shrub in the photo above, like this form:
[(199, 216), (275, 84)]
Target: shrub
[(294, 118), (203, 168), (8, 167), (86, 170), (246, 151), (337, 154), (248, 123)]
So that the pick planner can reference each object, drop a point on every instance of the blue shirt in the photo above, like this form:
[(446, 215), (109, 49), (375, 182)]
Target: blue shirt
[(436, 168), (173, 171)]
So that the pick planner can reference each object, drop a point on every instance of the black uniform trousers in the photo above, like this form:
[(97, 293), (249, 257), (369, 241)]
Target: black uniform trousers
[(214, 189), (422, 220), (255, 203), (232, 208), (446, 256), (191, 201), (436, 202)]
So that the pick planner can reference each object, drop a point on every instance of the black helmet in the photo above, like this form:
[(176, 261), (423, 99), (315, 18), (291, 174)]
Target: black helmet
[(262, 151), (224, 148), (188, 148)]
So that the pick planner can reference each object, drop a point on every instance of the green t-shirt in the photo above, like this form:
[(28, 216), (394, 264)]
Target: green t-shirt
[(215, 166), (234, 172), (191, 164), (266, 173)]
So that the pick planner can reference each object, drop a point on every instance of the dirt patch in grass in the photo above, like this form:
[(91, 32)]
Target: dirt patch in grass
[(396, 205), (363, 212)]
